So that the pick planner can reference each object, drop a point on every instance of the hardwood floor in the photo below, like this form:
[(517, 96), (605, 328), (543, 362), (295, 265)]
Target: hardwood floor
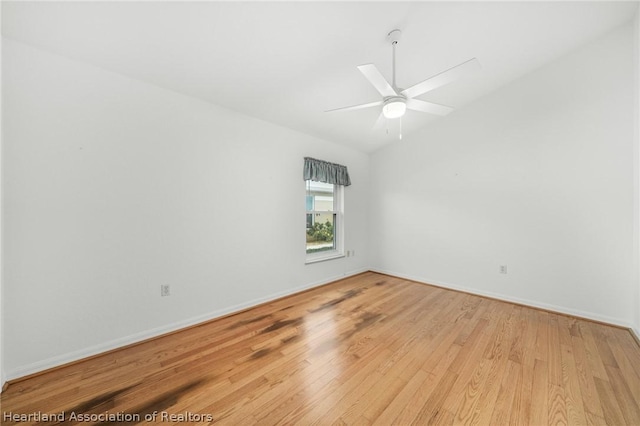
[(370, 349)]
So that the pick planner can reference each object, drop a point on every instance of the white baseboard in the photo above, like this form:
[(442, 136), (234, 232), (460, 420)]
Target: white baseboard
[(69, 357), (532, 303)]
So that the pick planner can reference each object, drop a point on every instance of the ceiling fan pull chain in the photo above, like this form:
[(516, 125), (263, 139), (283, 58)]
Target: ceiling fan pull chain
[(400, 133)]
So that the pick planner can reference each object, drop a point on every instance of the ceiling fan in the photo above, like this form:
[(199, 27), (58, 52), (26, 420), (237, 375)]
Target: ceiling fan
[(396, 101)]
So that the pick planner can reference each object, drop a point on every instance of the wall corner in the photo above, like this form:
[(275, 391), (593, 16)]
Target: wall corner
[(636, 169)]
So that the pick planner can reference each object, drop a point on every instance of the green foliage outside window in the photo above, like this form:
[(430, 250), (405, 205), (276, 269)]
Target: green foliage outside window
[(320, 232)]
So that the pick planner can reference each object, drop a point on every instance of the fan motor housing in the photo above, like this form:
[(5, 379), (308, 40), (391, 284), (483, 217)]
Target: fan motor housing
[(391, 99)]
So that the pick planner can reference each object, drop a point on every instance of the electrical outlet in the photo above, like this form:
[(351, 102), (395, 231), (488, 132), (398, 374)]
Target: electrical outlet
[(503, 269), (164, 290)]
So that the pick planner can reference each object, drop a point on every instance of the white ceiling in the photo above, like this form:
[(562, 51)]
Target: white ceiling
[(287, 62)]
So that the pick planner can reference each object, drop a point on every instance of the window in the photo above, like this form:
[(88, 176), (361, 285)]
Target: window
[(324, 221), (325, 183)]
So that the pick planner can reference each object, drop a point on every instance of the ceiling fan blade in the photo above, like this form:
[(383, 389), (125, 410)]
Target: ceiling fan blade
[(431, 108), (439, 80), (379, 122), (361, 106), (372, 74)]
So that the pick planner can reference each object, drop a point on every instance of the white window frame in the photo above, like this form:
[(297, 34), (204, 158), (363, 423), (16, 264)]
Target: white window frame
[(338, 226)]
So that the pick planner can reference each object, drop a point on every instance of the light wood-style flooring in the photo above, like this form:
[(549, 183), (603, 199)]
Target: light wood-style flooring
[(369, 349)]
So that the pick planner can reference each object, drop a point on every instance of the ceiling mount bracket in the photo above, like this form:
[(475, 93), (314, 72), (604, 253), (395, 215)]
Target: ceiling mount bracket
[(394, 36)]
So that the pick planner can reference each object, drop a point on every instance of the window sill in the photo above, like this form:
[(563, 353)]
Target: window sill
[(315, 258)]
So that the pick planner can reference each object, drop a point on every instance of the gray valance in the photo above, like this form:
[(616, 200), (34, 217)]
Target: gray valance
[(323, 171)]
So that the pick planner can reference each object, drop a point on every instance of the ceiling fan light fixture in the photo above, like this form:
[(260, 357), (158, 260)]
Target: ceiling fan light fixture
[(394, 108)]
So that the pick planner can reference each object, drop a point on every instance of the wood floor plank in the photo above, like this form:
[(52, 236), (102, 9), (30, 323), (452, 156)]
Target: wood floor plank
[(501, 410), (393, 409), (415, 402), (626, 400), (628, 346), (465, 394), (540, 394), (612, 411), (554, 363), (587, 386), (335, 392), (490, 385), (371, 405), (522, 400), (433, 405), (571, 386), (557, 405), (604, 349), (368, 349), (596, 366), (542, 336)]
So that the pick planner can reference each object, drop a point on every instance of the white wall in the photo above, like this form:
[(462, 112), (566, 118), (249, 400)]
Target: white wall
[(114, 187), (2, 376), (636, 177), (537, 176)]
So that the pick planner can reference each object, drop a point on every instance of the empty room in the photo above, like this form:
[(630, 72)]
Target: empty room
[(328, 213)]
